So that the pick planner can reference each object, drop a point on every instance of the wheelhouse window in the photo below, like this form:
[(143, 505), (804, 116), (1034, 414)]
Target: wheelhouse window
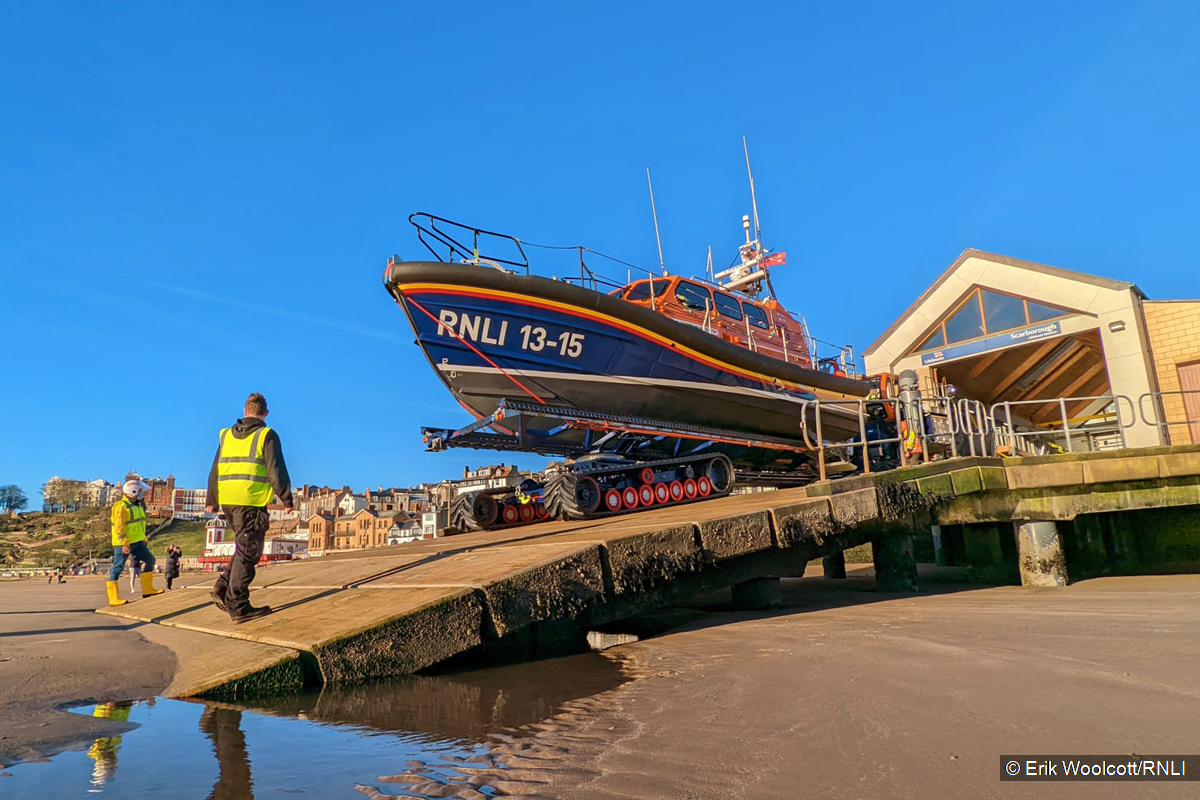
[(691, 295), (757, 317), (728, 305), (641, 289)]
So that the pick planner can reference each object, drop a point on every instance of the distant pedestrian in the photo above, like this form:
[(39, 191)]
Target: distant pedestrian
[(171, 570), (246, 471), (129, 539)]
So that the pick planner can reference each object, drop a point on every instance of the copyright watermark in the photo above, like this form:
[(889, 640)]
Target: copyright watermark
[(1100, 768)]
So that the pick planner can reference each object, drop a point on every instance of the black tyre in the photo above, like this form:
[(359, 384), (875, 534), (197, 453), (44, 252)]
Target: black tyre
[(473, 512), (462, 516), (583, 498), (720, 474), (552, 494)]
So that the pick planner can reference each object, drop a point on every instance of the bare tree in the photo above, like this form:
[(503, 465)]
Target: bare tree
[(70, 494), (12, 498)]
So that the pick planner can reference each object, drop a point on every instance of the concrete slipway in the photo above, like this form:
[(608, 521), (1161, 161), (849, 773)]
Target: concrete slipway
[(381, 613)]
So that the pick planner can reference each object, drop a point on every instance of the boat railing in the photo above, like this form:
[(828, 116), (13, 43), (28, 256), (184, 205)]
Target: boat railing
[(450, 236)]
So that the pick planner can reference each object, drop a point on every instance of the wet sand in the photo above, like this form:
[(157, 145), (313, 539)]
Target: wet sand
[(843, 693), (840, 695), (55, 653)]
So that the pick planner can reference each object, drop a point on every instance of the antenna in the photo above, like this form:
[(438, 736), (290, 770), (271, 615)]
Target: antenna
[(708, 270), (654, 211), (753, 199)]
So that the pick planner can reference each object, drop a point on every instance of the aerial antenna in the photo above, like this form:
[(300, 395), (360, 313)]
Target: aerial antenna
[(654, 211), (753, 199), (708, 270)]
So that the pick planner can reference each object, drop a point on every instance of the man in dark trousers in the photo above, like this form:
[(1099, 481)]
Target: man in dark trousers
[(247, 470)]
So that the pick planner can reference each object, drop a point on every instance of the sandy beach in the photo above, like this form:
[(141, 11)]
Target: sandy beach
[(842, 693)]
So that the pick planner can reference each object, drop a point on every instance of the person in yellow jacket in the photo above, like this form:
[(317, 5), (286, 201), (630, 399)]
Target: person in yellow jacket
[(104, 750), (129, 539), (247, 471)]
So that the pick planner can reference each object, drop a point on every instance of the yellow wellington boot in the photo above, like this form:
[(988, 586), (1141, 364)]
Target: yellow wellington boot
[(148, 589), (113, 600)]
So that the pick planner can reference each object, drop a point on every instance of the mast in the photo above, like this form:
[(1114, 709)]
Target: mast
[(654, 211), (753, 199)]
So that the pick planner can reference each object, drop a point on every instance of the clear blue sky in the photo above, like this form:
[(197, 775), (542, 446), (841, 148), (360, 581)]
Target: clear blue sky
[(197, 199)]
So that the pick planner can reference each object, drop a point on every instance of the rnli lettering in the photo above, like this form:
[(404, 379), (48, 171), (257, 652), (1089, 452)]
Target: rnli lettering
[(485, 330), (472, 328)]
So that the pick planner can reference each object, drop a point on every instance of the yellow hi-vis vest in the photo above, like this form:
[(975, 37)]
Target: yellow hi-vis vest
[(134, 529), (242, 470)]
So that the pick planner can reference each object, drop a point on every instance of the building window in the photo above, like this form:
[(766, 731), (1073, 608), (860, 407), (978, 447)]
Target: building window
[(984, 313)]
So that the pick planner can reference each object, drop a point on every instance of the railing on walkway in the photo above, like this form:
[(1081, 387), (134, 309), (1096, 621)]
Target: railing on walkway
[(949, 427), (1063, 433), (1190, 422)]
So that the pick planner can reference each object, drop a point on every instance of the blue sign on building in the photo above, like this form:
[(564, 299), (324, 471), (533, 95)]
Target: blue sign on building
[(997, 342)]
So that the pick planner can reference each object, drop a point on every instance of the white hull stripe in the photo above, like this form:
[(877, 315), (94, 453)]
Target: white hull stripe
[(693, 386)]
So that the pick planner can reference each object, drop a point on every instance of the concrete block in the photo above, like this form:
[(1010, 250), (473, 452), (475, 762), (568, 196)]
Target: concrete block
[(854, 508), (936, 486), (735, 535), (411, 640), (834, 565), (993, 478), (895, 565), (806, 523), (560, 587), (757, 594), (648, 559), (1045, 475), (1141, 468), (1173, 465), (966, 481)]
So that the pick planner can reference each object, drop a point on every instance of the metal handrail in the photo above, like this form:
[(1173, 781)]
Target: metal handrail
[(1159, 412), (457, 248), (1013, 435)]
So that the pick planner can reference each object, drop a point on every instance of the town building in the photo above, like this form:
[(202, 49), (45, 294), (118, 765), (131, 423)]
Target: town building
[(320, 534), (1020, 337), (160, 499), (410, 530), (189, 504), (61, 495), (219, 545)]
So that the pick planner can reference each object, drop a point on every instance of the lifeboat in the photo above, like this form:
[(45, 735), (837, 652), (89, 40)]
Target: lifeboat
[(718, 352)]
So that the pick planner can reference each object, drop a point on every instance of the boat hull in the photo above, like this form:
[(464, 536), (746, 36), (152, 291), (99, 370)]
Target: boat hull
[(492, 335)]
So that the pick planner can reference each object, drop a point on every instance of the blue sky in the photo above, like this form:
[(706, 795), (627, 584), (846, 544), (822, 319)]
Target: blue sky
[(197, 199)]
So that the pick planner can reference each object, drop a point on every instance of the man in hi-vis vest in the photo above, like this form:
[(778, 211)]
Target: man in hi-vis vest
[(128, 519), (246, 472)]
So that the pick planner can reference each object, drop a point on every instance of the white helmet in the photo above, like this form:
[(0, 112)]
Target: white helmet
[(135, 490)]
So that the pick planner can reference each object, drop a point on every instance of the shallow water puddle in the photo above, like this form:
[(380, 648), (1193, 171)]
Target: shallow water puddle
[(419, 737)]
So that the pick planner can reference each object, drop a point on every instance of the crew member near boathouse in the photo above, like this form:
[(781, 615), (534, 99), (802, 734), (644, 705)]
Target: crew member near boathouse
[(247, 471)]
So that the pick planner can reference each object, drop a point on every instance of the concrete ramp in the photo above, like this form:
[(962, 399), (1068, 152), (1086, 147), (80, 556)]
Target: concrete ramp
[(350, 617)]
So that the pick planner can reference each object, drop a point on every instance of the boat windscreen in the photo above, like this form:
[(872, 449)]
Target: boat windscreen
[(641, 289), (757, 317), (691, 295), (728, 305)]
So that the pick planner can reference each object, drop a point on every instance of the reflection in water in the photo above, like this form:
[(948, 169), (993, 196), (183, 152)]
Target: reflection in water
[(224, 727), (103, 751), (427, 736), (465, 707)]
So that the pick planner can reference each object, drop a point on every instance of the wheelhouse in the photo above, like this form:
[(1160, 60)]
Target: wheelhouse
[(764, 327)]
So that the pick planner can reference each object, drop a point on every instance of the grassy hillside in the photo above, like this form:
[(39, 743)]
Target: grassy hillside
[(54, 540), (187, 535)]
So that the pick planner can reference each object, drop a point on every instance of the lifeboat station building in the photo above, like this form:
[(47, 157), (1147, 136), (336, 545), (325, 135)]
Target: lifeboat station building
[(1000, 329)]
